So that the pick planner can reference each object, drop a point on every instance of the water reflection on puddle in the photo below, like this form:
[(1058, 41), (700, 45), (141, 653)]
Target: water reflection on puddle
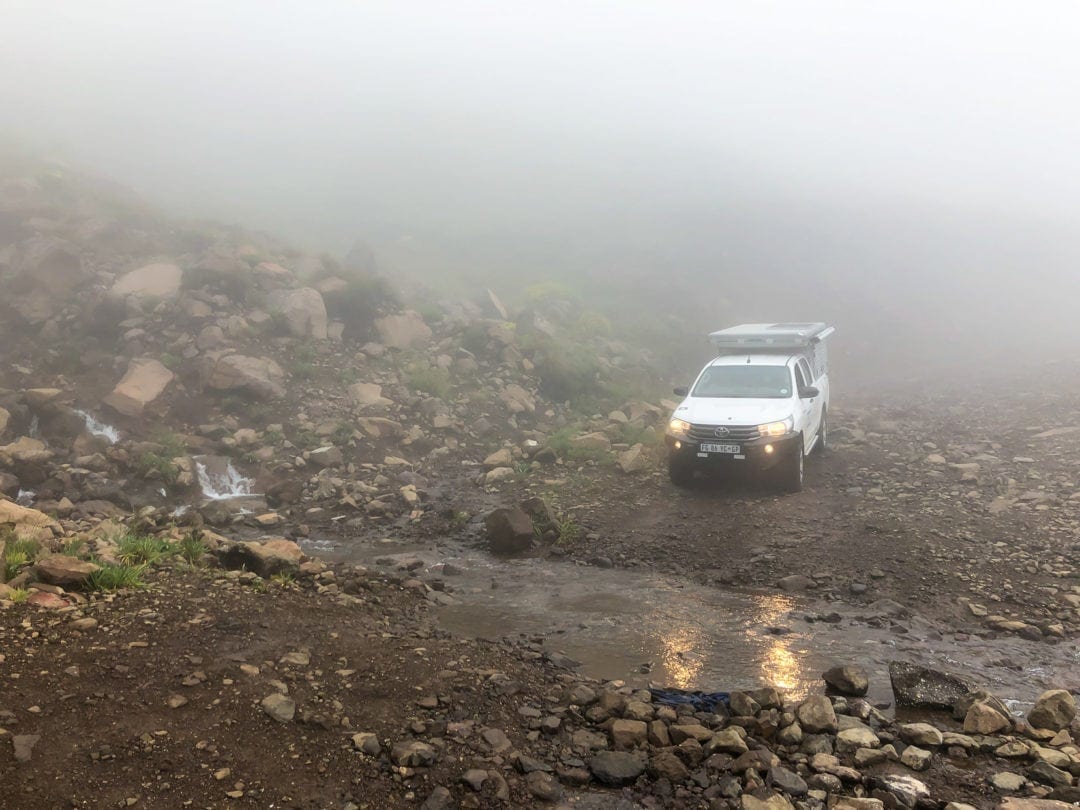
[(650, 629)]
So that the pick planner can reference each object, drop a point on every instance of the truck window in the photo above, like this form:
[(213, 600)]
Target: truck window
[(808, 376), (744, 382), (800, 378)]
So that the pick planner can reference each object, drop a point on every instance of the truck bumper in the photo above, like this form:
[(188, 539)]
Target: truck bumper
[(759, 454)]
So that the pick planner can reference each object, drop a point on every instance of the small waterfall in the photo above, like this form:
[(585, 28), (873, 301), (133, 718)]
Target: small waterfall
[(35, 427), (96, 428), (220, 480), (25, 497)]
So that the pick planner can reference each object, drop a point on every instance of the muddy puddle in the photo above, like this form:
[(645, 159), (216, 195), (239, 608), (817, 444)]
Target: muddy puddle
[(649, 629)]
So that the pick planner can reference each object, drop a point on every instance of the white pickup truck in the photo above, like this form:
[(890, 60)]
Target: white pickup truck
[(763, 403)]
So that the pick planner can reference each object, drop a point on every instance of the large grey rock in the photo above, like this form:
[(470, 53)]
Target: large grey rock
[(816, 715), (60, 569), (616, 768), (144, 381), (509, 530), (279, 707), (259, 376), (304, 311), (921, 687), (1053, 710), (404, 331), (150, 281), (847, 680), (265, 558)]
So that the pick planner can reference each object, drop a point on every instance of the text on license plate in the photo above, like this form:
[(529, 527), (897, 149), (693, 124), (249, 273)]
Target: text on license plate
[(720, 448)]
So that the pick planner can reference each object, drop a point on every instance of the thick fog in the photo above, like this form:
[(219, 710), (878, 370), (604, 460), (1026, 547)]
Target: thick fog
[(906, 167)]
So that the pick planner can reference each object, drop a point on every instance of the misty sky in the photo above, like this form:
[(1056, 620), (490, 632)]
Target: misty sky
[(419, 112), (909, 156)]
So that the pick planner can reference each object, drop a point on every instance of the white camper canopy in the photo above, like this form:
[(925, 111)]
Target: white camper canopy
[(772, 337)]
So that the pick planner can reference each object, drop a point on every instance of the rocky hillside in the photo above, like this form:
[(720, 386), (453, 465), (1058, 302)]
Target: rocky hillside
[(133, 345)]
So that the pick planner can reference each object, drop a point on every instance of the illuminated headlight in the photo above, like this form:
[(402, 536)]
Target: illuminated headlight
[(678, 428), (774, 429)]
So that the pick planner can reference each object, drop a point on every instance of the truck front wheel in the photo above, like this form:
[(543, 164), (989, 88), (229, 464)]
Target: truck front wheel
[(790, 473), (680, 471)]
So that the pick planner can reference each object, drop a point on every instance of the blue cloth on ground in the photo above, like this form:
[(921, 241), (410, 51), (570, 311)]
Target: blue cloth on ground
[(701, 701)]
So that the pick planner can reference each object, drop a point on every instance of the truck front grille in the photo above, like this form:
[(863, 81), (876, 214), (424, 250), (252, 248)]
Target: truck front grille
[(735, 433)]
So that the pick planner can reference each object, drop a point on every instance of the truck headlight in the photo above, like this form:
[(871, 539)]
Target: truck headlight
[(678, 428), (776, 429)]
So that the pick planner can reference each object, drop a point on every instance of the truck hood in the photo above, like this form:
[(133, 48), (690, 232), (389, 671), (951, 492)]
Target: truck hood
[(713, 411)]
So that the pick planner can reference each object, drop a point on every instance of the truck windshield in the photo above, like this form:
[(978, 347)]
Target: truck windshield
[(744, 382)]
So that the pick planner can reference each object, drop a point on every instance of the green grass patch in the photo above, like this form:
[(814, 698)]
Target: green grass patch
[(115, 577), (426, 379), (192, 547), (19, 595), (138, 550), (19, 553)]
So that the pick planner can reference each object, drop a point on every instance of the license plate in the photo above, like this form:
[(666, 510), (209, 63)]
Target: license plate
[(721, 448)]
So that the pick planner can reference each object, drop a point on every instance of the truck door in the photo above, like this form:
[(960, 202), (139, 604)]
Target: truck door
[(812, 408)]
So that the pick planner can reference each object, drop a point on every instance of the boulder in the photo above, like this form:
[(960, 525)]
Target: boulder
[(616, 768), (1016, 803), (816, 715), (591, 441), (403, 331), (60, 569), (26, 522), (847, 680), (509, 530), (149, 281), (38, 398), (984, 718), (265, 558), (304, 311), (1054, 710), (259, 376), (920, 687), (5, 417), (145, 380), (367, 394), (25, 450), (517, 399), (47, 272), (634, 460), (773, 801), (279, 707), (500, 458)]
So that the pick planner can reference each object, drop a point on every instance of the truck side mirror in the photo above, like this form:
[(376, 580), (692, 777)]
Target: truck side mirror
[(681, 391), (809, 392)]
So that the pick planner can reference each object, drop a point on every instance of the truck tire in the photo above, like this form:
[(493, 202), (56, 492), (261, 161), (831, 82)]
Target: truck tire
[(823, 433), (680, 472), (791, 471)]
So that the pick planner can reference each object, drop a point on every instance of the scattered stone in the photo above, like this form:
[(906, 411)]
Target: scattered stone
[(413, 754), (1054, 710), (616, 768), (918, 759), (1007, 782), (279, 707), (509, 530), (816, 715), (24, 746), (920, 734)]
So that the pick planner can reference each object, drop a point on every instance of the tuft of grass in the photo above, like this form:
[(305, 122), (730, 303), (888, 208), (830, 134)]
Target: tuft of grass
[(171, 361), (283, 579), (422, 378), (73, 547), (560, 442), (115, 577), (569, 531), (20, 552), (342, 434), (140, 550), (19, 595), (192, 547)]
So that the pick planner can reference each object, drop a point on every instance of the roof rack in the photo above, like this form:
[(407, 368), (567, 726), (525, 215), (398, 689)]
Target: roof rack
[(770, 336)]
